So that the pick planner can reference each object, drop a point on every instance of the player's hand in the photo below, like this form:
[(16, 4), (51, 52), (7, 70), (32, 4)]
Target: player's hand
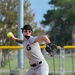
[(13, 37), (50, 47)]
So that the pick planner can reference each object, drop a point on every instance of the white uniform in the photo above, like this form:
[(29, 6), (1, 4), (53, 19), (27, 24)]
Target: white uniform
[(34, 55)]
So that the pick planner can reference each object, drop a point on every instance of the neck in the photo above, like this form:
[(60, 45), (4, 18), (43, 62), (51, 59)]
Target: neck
[(27, 37)]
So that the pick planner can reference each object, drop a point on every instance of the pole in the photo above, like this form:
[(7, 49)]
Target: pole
[(20, 25), (54, 63), (72, 62), (62, 61)]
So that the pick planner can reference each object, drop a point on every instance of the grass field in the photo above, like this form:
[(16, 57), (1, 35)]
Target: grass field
[(54, 64), (49, 74)]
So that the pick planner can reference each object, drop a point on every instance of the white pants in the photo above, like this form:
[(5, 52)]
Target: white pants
[(40, 69)]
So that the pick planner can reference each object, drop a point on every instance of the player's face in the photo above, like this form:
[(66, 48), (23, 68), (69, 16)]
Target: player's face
[(27, 32)]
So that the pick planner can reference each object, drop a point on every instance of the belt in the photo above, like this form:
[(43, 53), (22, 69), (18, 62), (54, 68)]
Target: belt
[(33, 65)]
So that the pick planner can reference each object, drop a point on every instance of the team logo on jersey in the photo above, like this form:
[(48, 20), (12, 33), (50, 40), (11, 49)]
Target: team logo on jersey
[(28, 47)]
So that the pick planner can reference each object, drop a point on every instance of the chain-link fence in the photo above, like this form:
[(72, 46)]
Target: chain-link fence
[(62, 63)]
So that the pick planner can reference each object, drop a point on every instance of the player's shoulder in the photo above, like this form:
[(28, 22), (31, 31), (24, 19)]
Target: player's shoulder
[(32, 38)]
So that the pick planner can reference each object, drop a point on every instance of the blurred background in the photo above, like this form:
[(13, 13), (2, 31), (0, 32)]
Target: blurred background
[(55, 18)]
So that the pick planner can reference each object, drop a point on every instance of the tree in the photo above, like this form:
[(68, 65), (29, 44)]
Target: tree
[(61, 21)]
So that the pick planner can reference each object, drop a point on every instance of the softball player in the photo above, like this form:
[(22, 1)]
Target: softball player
[(38, 64)]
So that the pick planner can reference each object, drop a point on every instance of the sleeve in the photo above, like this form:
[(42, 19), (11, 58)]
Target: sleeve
[(32, 39)]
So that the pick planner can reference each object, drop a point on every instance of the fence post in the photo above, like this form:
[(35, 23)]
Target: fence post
[(62, 61)]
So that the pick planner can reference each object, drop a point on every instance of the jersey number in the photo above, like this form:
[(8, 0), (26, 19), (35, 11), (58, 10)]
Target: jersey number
[(28, 47)]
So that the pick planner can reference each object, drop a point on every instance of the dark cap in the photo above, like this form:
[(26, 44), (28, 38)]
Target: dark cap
[(27, 27)]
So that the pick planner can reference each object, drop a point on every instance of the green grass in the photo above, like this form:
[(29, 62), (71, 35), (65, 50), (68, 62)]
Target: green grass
[(68, 64), (5, 74), (13, 64), (52, 73)]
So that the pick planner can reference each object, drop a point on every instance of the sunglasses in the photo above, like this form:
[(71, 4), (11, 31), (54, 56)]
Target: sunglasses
[(27, 31)]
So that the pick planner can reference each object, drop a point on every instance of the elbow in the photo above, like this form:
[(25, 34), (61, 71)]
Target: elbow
[(45, 37)]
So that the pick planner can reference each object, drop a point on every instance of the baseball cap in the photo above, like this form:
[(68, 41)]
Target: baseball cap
[(27, 27)]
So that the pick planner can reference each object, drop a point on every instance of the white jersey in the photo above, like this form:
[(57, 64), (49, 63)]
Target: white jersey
[(33, 50)]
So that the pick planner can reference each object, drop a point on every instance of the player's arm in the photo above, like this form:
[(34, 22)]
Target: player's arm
[(16, 39), (42, 38), (49, 46)]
